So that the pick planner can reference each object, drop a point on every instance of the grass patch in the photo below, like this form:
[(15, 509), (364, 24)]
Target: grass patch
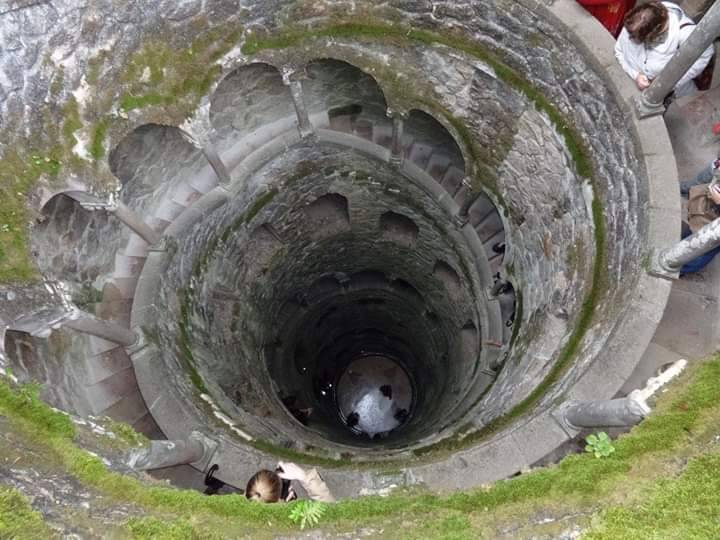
[(18, 519), (161, 75), (18, 174), (687, 508), (690, 406), (99, 133)]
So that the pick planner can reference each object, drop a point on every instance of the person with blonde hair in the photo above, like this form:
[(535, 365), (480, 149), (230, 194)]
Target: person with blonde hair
[(274, 486)]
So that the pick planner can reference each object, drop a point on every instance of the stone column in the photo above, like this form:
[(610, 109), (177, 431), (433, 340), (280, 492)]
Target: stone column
[(650, 101), (605, 413), (707, 238), (197, 132), (292, 79), (127, 216), (136, 224), (396, 149), (163, 454), (107, 330), (623, 412)]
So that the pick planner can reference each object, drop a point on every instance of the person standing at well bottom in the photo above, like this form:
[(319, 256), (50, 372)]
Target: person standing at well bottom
[(652, 34)]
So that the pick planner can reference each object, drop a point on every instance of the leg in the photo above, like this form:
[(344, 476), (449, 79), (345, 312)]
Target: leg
[(703, 177)]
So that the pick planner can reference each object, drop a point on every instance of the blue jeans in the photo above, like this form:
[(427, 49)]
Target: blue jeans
[(700, 262)]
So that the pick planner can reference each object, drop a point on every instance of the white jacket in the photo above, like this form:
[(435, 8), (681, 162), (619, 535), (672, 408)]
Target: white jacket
[(638, 58)]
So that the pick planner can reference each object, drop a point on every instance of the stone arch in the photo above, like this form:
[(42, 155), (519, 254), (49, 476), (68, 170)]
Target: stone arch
[(250, 98), (328, 214), (429, 145), (399, 229)]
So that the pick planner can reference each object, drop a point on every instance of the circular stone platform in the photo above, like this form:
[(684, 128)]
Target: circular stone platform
[(375, 396)]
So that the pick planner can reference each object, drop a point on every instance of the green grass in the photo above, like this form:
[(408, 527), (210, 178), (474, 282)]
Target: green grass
[(686, 508), (18, 521), (18, 174), (690, 407)]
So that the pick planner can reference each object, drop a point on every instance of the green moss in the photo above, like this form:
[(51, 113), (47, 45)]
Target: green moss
[(99, 133), (87, 297), (161, 75), (261, 202), (18, 519), (125, 433), (23, 401), (19, 171), (183, 342), (129, 102)]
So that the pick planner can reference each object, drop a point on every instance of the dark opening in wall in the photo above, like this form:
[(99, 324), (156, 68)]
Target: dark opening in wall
[(398, 228)]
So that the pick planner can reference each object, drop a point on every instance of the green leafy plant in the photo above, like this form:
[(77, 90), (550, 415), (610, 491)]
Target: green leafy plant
[(599, 445), (307, 512)]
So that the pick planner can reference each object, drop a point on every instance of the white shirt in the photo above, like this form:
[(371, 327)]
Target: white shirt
[(650, 60)]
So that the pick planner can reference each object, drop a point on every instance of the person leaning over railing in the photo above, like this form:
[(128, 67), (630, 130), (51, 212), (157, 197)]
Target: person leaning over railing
[(652, 34), (269, 487)]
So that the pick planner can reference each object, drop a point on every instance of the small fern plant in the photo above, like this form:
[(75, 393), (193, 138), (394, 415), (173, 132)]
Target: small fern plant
[(307, 512), (599, 445)]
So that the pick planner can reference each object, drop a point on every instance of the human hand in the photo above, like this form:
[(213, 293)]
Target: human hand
[(642, 82), (714, 193), (290, 471)]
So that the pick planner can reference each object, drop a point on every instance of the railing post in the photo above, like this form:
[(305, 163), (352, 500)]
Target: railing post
[(396, 149), (292, 79), (650, 102), (673, 258), (160, 454), (198, 133)]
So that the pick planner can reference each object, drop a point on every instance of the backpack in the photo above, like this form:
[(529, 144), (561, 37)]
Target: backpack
[(701, 208)]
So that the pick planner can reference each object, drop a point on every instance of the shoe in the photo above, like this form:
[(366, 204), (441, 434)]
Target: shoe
[(685, 188)]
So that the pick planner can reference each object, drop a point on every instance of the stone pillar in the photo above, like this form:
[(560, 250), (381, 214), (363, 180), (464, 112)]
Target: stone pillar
[(127, 216), (650, 101), (291, 78), (107, 330), (136, 224), (622, 412), (396, 149), (707, 238), (163, 454), (197, 132)]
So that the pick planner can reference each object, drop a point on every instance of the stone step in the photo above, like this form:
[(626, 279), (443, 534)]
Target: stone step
[(126, 286), (382, 135), (438, 165), (127, 266), (136, 247), (419, 154), (489, 227), (106, 364), (116, 310), (480, 209), (341, 123), (363, 127), (148, 427), (185, 195), (168, 210), (111, 390), (452, 180), (130, 409)]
